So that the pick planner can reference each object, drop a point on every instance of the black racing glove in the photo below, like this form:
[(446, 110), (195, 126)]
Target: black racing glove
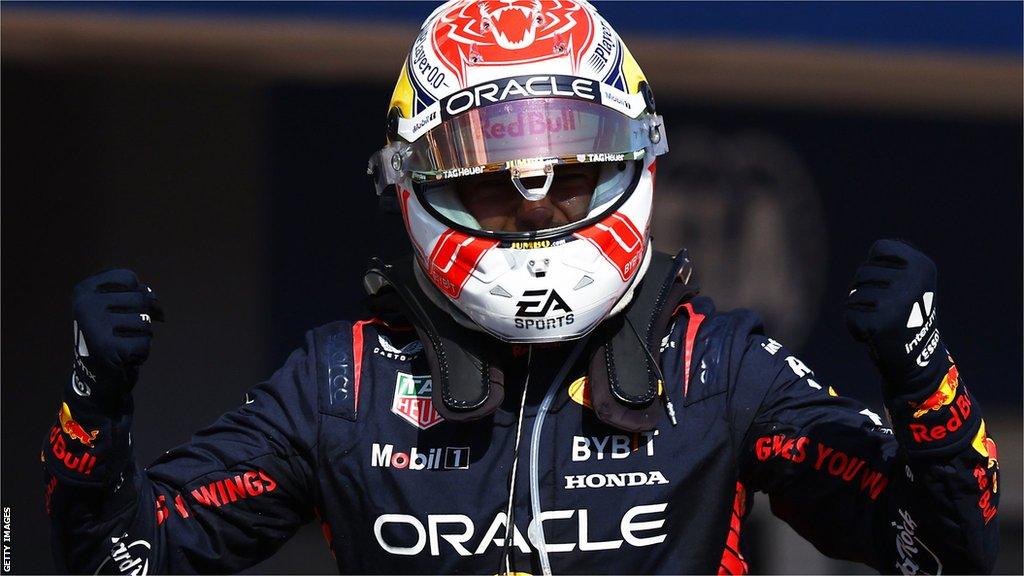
[(892, 307), (113, 317)]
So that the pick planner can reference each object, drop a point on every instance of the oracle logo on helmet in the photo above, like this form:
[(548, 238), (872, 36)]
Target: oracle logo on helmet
[(517, 88)]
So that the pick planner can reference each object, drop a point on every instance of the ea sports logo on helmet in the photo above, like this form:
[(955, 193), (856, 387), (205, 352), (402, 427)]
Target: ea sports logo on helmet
[(486, 32)]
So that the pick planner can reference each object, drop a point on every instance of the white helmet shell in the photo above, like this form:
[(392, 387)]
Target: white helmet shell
[(476, 61)]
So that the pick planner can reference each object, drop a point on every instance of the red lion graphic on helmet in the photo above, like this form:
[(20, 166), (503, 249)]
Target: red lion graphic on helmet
[(509, 32)]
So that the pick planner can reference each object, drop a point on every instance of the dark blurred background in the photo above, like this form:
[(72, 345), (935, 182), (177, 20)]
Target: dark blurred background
[(219, 149)]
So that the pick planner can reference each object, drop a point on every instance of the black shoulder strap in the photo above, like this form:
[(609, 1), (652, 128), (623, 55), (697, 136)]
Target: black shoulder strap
[(621, 393), (467, 374)]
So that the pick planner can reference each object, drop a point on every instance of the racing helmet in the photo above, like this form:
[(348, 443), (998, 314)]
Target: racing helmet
[(521, 147)]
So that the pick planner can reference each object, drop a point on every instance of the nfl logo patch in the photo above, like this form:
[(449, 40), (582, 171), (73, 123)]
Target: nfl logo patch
[(413, 401)]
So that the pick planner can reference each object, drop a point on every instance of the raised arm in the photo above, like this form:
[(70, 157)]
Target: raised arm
[(920, 497), (225, 500)]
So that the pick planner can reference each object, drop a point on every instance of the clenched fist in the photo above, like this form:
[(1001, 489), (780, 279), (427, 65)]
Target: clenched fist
[(113, 317), (893, 308)]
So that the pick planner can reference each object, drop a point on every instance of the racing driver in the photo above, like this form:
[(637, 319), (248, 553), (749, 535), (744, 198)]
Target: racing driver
[(537, 390)]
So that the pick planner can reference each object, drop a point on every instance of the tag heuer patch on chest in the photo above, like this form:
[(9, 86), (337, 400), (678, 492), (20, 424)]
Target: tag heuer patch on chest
[(413, 401)]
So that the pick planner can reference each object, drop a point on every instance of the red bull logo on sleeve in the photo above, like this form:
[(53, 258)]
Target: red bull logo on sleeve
[(73, 429), (82, 463), (943, 395), (414, 402), (986, 446), (987, 476)]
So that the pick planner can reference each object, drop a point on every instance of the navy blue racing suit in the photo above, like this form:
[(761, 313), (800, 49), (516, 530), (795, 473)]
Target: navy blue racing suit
[(345, 433)]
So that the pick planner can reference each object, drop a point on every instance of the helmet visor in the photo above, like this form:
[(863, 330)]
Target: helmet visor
[(487, 138)]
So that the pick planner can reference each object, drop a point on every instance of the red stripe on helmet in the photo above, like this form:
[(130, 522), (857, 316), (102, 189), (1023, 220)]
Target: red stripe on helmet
[(619, 241), (454, 258)]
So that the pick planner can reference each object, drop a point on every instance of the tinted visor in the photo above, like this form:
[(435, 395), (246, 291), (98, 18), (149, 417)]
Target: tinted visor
[(489, 203), (485, 138)]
